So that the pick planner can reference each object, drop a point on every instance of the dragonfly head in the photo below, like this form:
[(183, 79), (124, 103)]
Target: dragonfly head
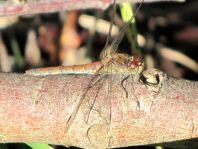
[(136, 63)]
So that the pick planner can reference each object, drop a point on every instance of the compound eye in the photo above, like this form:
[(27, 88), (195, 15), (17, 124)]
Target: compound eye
[(133, 64), (137, 61)]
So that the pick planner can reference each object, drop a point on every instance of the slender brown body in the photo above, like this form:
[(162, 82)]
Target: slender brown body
[(74, 69), (117, 64)]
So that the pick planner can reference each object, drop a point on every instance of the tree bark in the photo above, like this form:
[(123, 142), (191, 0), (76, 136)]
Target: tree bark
[(31, 7), (37, 109)]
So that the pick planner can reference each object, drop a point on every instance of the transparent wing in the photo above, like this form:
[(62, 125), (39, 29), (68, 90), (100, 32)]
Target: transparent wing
[(104, 52), (111, 24), (94, 80), (87, 101), (114, 45), (96, 103)]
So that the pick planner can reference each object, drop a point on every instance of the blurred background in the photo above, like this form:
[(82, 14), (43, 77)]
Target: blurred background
[(167, 39)]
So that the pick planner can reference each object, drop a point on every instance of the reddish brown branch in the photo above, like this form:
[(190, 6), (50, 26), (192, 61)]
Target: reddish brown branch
[(36, 109), (45, 6)]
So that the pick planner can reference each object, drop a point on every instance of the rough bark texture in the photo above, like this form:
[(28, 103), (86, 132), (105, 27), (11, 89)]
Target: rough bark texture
[(46, 6), (36, 109)]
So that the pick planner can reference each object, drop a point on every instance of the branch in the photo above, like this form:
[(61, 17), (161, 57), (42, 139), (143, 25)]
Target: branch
[(36, 109), (45, 6)]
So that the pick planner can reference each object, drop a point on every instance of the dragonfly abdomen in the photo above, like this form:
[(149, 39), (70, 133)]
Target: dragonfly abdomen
[(90, 68)]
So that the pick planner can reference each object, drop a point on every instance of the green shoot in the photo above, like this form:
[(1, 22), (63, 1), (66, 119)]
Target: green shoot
[(39, 146), (127, 12)]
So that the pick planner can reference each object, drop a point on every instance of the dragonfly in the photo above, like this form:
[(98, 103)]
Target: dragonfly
[(111, 62)]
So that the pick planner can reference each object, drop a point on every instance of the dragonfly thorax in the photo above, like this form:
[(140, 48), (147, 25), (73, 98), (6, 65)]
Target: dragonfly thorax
[(123, 64)]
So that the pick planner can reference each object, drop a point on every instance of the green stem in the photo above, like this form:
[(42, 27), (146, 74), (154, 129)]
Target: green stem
[(127, 12)]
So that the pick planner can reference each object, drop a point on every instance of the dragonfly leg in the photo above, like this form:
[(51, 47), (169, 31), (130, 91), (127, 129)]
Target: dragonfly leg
[(122, 85)]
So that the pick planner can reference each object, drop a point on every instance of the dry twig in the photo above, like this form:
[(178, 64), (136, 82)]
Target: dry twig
[(36, 109), (45, 6)]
